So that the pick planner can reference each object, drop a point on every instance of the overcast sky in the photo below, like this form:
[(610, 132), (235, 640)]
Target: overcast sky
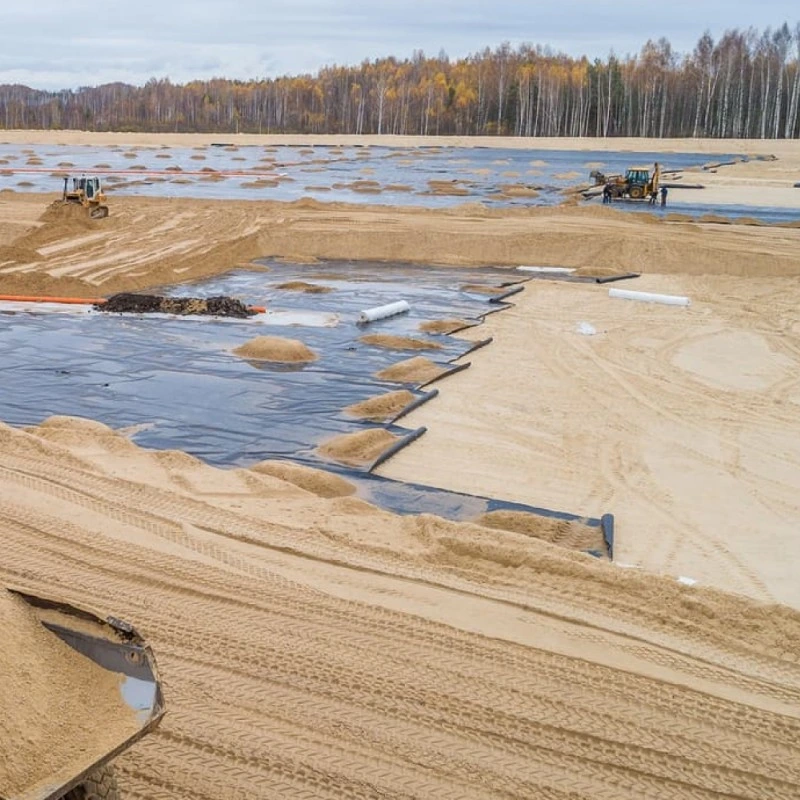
[(55, 44)]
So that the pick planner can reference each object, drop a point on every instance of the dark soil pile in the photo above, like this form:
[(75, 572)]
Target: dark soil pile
[(152, 304)]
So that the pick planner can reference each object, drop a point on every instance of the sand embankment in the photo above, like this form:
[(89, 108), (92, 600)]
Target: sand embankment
[(452, 659), (148, 242)]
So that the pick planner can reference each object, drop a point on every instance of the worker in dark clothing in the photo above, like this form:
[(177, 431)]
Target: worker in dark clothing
[(663, 197), (606, 194)]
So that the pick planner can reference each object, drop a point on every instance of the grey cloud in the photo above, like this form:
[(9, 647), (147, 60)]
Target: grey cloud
[(53, 44)]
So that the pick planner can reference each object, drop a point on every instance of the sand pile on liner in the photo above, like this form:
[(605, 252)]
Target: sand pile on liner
[(479, 288), (382, 407), (316, 481), (358, 449), (596, 272), (413, 370), (398, 342), (48, 692), (571, 534), (443, 325), (276, 348), (302, 286)]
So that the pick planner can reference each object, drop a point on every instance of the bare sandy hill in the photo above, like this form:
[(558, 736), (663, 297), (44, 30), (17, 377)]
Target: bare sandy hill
[(148, 242), (298, 633)]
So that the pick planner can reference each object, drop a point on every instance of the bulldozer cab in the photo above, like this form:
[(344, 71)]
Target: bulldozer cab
[(90, 187), (88, 192)]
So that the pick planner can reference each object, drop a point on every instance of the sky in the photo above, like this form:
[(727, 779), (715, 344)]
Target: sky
[(65, 44)]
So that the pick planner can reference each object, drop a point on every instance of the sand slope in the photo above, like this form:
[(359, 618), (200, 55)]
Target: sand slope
[(148, 242), (305, 654)]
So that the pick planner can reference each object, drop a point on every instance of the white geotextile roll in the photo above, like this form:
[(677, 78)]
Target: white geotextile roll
[(650, 297), (381, 312), (552, 270)]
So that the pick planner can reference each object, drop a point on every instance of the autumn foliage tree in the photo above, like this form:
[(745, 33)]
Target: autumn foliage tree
[(745, 85)]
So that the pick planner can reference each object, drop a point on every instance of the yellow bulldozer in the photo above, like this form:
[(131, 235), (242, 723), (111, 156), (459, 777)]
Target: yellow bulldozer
[(88, 192)]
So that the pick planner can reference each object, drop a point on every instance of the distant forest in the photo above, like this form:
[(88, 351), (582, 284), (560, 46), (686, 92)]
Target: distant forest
[(746, 84)]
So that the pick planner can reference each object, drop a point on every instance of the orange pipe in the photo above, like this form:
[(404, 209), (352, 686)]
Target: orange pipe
[(24, 298), (259, 309)]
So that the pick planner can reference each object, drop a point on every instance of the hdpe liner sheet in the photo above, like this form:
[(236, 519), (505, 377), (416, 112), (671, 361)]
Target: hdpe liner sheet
[(178, 383), (178, 378), (397, 176)]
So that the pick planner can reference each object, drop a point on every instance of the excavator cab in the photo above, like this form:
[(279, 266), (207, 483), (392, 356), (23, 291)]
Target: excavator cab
[(638, 183)]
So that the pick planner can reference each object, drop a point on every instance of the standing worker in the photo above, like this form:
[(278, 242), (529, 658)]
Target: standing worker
[(663, 197), (607, 194)]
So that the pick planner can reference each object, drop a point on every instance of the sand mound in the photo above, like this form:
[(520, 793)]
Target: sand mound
[(715, 219), (358, 449), (276, 348), (317, 481), (416, 370), (398, 342), (443, 325), (518, 190), (572, 534), (47, 693), (383, 407), (596, 272), (453, 188), (302, 286), (21, 255), (479, 288), (82, 433)]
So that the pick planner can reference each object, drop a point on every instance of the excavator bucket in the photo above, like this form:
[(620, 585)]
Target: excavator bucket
[(86, 690)]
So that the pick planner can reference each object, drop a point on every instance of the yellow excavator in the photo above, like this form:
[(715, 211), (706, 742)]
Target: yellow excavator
[(638, 183), (88, 192)]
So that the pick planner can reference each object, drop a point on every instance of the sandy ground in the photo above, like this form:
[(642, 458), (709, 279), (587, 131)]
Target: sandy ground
[(683, 422), (323, 648), (315, 646), (150, 242)]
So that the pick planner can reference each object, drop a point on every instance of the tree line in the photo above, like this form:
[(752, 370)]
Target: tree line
[(744, 85)]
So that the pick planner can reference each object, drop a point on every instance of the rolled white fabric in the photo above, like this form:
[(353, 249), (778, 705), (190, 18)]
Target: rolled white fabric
[(551, 270), (381, 312), (650, 297)]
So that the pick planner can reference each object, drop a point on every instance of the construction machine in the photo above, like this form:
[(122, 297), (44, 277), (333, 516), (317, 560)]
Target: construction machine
[(638, 183), (71, 703), (88, 192)]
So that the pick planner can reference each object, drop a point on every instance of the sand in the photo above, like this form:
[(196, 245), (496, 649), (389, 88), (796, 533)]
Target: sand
[(313, 645), (391, 342), (572, 534), (358, 449), (417, 370), (276, 348), (444, 325), (303, 286), (683, 423), (296, 632), (58, 710), (316, 481), (152, 242), (383, 407)]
